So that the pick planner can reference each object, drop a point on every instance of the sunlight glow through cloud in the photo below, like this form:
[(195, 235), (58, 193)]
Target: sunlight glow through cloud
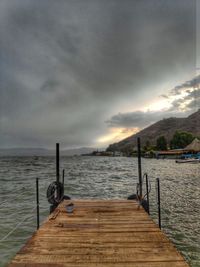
[(158, 104), (116, 134)]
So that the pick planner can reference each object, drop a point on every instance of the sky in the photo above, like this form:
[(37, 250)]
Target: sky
[(92, 72)]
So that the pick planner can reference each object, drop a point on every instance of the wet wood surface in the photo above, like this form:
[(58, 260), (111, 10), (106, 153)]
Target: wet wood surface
[(99, 233)]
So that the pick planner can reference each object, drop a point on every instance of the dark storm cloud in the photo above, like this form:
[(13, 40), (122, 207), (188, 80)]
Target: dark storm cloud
[(131, 119), (65, 65), (139, 118)]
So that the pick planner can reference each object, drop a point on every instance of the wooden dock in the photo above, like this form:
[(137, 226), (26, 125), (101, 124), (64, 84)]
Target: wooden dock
[(99, 233)]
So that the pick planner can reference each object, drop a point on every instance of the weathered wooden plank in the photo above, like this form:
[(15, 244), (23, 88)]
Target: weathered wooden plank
[(116, 264), (99, 258), (91, 229), (125, 213), (111, 225), (40, 244), (104, 220), (104, 237), (104, 213), (68, 245), (96, 227), (137, 253), (105, 203)]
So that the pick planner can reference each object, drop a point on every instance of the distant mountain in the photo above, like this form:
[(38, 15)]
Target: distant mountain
[(44, 152), (77, 151), (165, 127), (25, 152)]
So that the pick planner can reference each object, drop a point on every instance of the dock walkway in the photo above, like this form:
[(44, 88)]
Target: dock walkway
[(99, 233)]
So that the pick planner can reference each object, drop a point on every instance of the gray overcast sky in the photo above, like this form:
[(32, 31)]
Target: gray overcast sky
[(68, 69)]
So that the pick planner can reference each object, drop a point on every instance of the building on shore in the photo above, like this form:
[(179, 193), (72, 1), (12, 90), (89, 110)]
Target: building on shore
[(193, 147), (169, 154)]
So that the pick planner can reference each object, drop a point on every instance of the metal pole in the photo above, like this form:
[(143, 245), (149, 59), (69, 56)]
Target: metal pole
[(147, 188), (158, 202), (139, 167), (63, 177), (57, 162), (37, 203)]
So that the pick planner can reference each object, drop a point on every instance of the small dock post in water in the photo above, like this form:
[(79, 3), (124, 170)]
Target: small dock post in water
[(57, 162), (139, 168)]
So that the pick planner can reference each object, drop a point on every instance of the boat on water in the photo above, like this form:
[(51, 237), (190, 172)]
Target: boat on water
[(189, 158), (194, 160)]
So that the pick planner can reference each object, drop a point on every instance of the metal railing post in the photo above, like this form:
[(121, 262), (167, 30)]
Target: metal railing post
[(147, 188), (139, 168), (57, 162), (37, 203), (63, 178), (158, 201)]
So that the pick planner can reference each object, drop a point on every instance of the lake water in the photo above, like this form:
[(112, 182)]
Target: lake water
[(99, 177)]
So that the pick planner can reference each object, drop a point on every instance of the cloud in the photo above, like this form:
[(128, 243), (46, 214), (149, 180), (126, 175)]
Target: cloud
[(189, 102), (139, 119), (66, 66), (188, 95), (164, 96), (195, 82), (180, 107)]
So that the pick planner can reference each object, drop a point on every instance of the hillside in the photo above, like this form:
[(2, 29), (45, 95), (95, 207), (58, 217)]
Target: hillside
[(165, 127)]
